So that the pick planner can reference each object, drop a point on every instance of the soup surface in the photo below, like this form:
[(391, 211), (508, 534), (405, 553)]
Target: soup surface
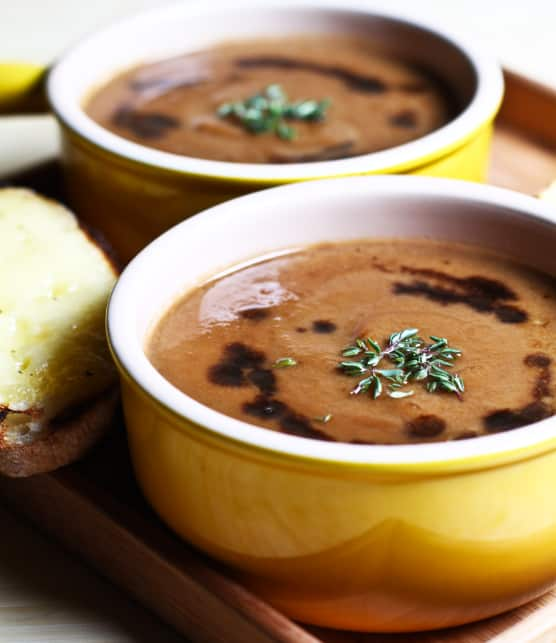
[(375, 102), (220, 343)]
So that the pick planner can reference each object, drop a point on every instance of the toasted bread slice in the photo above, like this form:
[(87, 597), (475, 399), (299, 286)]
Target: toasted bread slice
[(57, 380)]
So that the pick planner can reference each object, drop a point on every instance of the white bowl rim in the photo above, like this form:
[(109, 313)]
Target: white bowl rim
[(481, 109), (130, 353)]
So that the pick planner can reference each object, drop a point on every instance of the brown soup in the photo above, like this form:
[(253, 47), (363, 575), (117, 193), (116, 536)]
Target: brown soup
[(376, 102), (221, 343)]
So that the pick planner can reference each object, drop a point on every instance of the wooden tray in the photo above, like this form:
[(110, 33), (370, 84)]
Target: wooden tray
[(96, 510)]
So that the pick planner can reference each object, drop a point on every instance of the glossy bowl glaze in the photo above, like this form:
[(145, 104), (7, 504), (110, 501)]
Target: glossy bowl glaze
[(132, 192), (378, 538)]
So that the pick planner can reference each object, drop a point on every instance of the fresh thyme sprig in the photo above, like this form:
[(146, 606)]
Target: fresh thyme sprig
[(413, 360), (270, 110)]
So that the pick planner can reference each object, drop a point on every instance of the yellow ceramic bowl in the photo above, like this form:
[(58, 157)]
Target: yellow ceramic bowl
[(382, 538), (133, 193)]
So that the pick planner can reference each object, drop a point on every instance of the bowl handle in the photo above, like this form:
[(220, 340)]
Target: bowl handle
[(22, 88)]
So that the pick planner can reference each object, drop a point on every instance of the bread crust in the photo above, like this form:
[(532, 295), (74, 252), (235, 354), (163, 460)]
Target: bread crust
[(65, 442)]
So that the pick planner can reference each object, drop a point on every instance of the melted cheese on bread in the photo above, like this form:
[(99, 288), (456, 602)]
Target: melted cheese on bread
[(54, 285)]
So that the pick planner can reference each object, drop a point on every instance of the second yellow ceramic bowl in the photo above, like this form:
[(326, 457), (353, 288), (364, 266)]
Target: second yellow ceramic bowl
[(380, 538), (132, 192)]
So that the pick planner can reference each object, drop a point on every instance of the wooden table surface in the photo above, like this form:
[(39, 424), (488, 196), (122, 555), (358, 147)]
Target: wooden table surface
[(46, 596)]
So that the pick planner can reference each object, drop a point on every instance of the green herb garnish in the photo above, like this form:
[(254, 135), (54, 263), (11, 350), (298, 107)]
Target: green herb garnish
[(323, 418), (412, 359), (284, 362), (270, 110)]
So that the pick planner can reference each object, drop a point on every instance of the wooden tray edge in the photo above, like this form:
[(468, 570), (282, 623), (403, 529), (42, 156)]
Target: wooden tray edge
[(529, 106), (217, 609)]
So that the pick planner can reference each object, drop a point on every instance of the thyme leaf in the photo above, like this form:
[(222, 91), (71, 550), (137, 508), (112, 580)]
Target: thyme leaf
[(284, 362), (412, 358), (270, 110), (323, 418)]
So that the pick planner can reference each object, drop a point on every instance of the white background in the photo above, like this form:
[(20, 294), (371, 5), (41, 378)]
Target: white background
[(521, 32)]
